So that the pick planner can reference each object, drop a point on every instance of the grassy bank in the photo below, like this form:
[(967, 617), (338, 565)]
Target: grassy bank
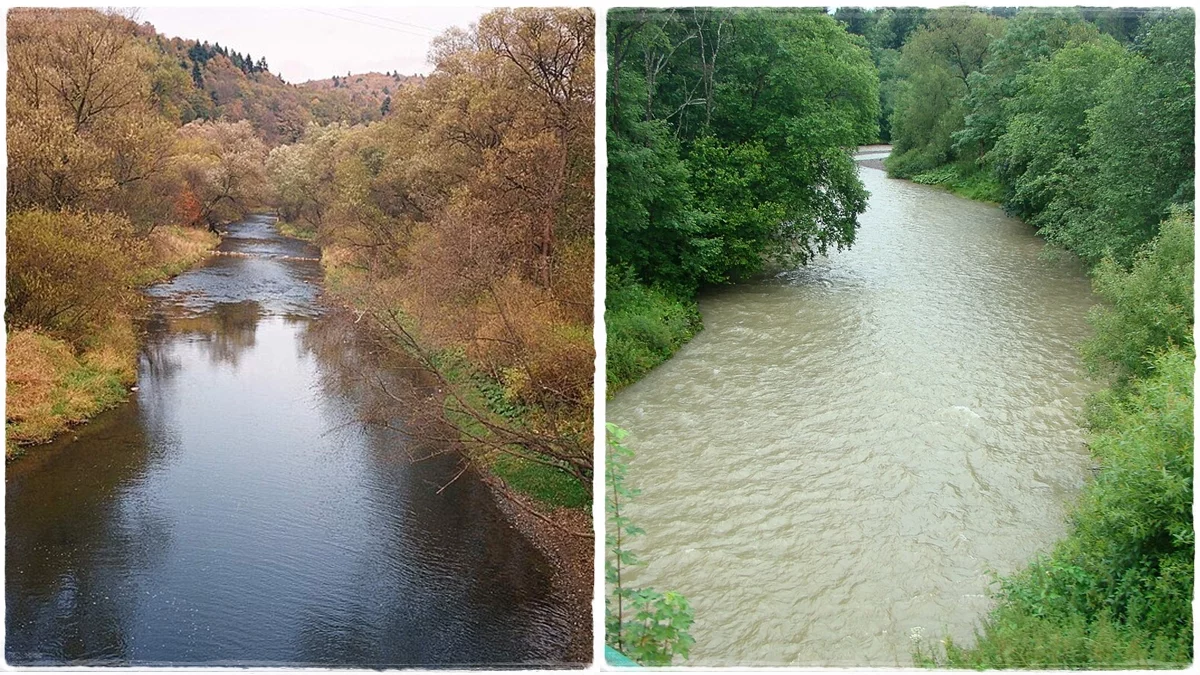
[(491, 403), (58, 378), (301, 231), (964, 180), (645, 326)]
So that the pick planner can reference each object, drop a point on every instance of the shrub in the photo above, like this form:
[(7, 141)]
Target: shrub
[(1149, 307), (645, 325), (70, 273)]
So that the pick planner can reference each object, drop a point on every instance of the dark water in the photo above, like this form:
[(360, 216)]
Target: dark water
[(237, 512), (832, 467)]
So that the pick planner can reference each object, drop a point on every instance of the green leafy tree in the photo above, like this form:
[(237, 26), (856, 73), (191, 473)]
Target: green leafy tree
[(1034, 34), (1139, 159), (936, 65), (1046, 131)]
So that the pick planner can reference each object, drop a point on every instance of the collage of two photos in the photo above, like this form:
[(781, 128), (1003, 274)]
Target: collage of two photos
[(826, 337)]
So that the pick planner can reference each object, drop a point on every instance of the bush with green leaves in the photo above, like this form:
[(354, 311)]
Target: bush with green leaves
[(648, 626), (645, 325), (1148, 308)]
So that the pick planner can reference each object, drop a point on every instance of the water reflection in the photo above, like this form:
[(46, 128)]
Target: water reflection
[(237, 511)]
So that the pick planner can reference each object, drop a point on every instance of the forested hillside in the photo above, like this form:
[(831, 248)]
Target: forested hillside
[(202, 81), (124, 149), (1081, 123), (729, 141), (366, 89), (461, 220), (462, 223)]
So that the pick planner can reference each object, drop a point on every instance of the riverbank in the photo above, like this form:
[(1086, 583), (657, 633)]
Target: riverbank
[(645, 326), (565, 537), (545, 505), (53, 385)]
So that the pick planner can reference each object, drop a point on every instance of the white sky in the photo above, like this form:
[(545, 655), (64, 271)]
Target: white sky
[(318, 42)]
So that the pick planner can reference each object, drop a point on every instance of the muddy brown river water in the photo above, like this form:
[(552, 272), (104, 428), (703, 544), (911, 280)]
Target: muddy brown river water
[(237, 512), (831, 468)]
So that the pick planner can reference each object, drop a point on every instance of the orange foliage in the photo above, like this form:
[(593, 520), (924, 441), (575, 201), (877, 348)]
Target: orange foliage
[(187, 207)]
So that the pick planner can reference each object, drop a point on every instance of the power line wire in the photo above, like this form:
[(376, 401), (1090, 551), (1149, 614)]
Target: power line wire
[(434, 31), (367, 23)]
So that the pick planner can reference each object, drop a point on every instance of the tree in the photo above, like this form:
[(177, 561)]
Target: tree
[(82, 126), (1046, 128), (937, 64), (763, 105), (385, 106), (1139, 158), (222, 164)]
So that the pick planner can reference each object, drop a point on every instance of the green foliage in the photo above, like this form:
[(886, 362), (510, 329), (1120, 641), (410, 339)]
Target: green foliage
[(645, 325), (1138, 160), (1149, 308), (1045, 133), (1089, 139), (728, 138), (547, 484), (936, 65), (648, 626), (1034, 34), (964, 179)]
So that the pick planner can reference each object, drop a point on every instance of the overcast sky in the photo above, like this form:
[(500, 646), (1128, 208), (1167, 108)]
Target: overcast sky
[(319, 42)]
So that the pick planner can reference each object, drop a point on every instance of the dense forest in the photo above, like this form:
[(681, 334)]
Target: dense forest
[(729, 138), (461, 219), (1081, 123), (463, 224)]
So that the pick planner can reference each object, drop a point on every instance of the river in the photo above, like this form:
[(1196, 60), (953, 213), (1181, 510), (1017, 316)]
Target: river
[(831, 468), (237, 511)]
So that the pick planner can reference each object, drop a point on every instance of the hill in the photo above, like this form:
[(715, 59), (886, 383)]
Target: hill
[(364, 88), (199, 80)]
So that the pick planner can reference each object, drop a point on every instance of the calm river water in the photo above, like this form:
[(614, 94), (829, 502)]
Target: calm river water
[(237, 512), (832, 466)]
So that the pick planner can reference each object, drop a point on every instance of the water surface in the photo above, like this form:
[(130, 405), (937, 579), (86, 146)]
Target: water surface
[(236, 511), (833, 465)]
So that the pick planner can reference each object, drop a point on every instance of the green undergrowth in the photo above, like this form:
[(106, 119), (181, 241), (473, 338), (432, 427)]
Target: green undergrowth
[(646, 325), (297, 230), (547, 483), (964, 181)]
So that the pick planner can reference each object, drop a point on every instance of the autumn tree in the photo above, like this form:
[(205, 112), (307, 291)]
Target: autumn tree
[(83, 131), (463, 220), (222, 165)]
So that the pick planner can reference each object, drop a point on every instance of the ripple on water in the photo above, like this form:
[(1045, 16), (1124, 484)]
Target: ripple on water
[(842, 453)]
